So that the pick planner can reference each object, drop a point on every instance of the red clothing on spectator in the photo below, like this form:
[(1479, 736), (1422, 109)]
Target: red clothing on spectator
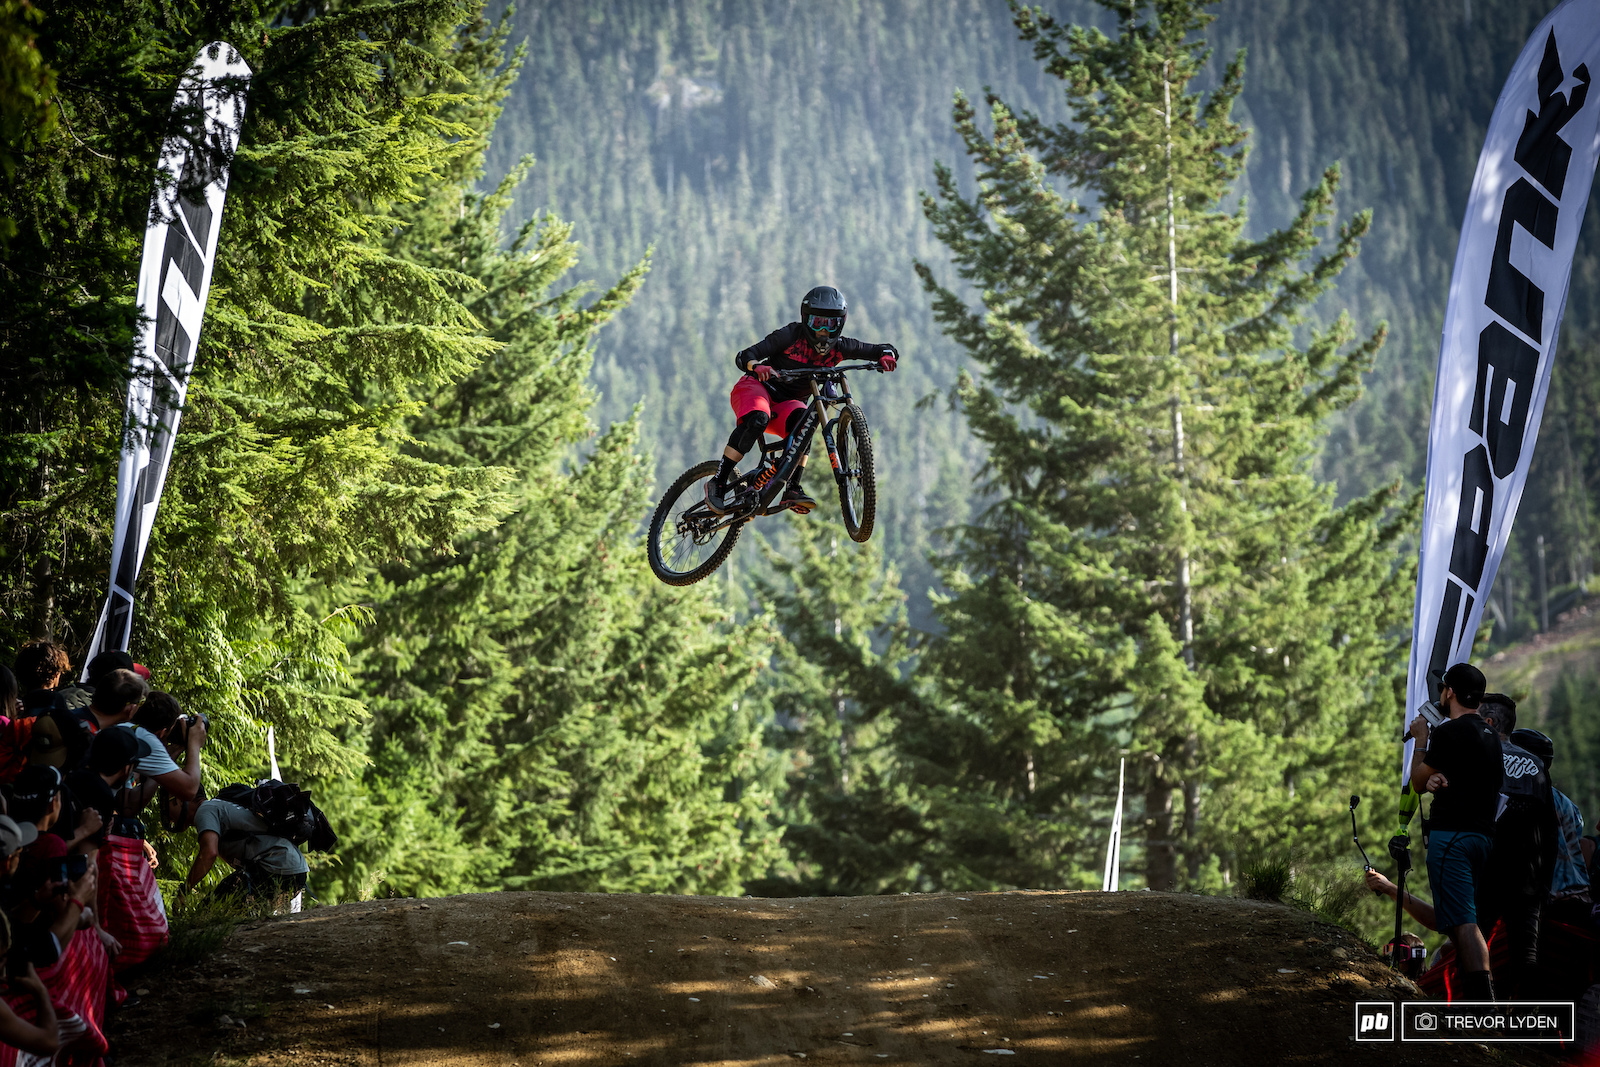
[(77, 983), (130, 902)]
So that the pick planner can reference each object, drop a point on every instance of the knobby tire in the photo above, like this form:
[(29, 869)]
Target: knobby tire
[(855, 459), (689, 481)]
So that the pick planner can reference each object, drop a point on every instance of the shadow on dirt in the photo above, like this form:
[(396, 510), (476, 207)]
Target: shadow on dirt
[(545, 978)]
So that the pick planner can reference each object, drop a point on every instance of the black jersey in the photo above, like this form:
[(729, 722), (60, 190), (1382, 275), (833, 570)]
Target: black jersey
[(790, 348)]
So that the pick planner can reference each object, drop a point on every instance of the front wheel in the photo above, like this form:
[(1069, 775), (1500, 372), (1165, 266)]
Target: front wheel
[(687, 539), (858, 492)]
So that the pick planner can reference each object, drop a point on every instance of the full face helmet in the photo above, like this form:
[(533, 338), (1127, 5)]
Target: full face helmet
[(822, 315)]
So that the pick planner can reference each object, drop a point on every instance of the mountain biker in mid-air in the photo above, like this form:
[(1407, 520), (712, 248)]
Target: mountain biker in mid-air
[(763, 402)]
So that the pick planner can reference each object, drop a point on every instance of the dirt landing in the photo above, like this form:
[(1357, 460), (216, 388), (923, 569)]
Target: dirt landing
[(525, 979)]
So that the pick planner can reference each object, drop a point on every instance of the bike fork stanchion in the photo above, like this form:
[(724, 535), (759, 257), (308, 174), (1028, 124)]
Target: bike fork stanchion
[(833, 451)]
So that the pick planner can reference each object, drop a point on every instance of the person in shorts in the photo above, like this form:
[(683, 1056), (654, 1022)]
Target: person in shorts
[(764, 403), (1462, 767)]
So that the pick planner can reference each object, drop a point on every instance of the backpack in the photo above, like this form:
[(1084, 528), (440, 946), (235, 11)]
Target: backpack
[(287, 810)]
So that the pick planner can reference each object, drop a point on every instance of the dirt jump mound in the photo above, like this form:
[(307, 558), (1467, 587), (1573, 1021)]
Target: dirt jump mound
[(526, 979)]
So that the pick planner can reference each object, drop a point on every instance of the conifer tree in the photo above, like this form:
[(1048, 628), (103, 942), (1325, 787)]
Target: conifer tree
[(837, 681), (545, 714), (288, 472), (1157, 572)]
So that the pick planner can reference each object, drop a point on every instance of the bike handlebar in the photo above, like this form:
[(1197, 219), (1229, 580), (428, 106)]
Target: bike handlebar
[(824, 372)]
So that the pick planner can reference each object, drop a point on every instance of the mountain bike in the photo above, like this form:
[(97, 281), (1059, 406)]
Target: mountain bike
[(688, 540)]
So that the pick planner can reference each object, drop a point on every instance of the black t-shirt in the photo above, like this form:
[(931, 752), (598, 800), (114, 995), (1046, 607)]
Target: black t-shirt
[(1467, 752), (1527, 832)]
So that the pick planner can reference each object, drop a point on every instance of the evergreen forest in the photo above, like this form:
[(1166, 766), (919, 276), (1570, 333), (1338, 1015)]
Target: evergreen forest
[(1166, 278)]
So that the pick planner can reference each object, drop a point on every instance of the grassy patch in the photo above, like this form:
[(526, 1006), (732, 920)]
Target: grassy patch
[(200, 924), (1329, 892)]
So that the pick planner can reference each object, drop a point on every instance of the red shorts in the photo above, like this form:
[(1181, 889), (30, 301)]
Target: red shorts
[(750, 395)]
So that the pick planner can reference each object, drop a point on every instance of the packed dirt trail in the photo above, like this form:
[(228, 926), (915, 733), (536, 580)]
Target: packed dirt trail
[(526, 979)]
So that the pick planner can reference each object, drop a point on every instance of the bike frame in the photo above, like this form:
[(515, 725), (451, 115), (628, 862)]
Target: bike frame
[(771, 476), (777, 474)]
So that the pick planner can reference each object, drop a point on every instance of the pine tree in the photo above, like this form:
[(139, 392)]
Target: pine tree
[(545, 715), (836, 686), (1157, 572), (288, 472)]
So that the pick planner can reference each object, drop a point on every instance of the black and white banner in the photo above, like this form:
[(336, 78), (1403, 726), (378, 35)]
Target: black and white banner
[(180, 245), (1507, 294)]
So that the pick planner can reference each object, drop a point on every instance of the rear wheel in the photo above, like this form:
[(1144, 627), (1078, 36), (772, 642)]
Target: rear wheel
[(858, 493), (687, 539)]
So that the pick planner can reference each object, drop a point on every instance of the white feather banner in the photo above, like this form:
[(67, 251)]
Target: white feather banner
[(180, 248), (1507, 293)]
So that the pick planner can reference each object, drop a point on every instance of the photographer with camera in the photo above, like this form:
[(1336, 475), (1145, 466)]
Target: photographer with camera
[(1462, 767), (161, 724)]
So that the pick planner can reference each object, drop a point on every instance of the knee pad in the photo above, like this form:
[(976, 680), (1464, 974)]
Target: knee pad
[(748, 432)]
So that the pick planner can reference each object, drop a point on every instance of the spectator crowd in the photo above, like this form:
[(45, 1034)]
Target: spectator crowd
[(83, 765), (1509, 865)]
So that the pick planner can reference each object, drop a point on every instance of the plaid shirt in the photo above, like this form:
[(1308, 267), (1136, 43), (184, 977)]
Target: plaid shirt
[(1570, 877)]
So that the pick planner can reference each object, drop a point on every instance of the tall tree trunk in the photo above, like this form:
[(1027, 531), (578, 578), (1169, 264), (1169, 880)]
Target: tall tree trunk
[(44, 600), (1160, 851), (44, 574)]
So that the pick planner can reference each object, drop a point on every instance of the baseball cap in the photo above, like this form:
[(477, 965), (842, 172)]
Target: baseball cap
[(1468, 683), (1543, 749), (115, 660), (14, 837), (37, 782), (114, 749)]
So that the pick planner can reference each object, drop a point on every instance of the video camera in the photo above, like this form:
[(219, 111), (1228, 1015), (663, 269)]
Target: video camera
[(1429, 711)]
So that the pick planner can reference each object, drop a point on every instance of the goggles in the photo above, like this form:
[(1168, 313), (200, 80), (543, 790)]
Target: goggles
[(1407, 952), (828, 324)]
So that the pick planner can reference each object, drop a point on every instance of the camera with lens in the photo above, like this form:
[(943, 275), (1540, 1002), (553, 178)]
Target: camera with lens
[(1427, 1021), (178, 736)]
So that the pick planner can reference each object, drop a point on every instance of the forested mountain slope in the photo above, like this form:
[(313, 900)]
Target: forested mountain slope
[(761, 147)]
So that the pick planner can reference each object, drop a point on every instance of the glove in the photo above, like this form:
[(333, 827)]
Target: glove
[(887, 357), (762, 371)]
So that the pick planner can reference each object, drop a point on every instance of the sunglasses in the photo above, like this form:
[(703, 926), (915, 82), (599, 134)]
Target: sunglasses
[(831, 324)]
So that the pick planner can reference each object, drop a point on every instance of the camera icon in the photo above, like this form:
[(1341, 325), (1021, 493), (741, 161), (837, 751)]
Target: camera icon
[(1426, 1021)]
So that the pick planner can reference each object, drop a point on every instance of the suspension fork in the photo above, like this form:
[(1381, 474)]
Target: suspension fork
[(827, 439)]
